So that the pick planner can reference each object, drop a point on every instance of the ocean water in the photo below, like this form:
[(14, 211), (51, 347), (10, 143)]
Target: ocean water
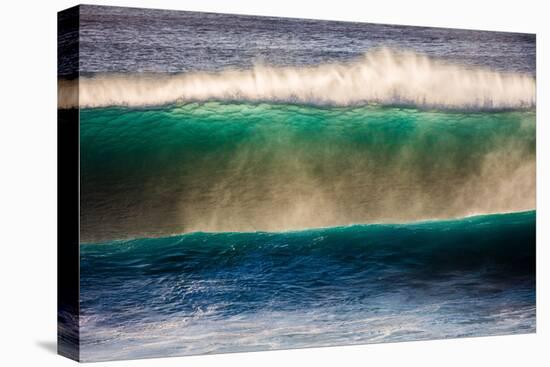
[(226, 292), (252, 183), (126, 40)]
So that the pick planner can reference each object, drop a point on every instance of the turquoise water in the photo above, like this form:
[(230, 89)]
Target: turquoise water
[(243, 166), (219, 292)]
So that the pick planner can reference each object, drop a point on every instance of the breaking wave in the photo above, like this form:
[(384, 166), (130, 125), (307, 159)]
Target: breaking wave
[(246, 167)]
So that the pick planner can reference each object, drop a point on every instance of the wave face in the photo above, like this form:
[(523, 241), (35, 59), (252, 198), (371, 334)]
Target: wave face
[(276, 167), (208, 293), (383, 76)]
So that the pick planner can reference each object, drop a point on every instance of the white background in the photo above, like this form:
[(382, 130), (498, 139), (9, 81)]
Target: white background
[(28, 182)]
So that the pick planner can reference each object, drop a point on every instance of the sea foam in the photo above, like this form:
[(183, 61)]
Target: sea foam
[(382, 76)]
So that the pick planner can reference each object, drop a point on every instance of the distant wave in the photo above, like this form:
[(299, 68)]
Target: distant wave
[(383, 76)]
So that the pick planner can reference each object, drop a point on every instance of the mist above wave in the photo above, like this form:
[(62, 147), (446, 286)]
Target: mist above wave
[(382, 76)]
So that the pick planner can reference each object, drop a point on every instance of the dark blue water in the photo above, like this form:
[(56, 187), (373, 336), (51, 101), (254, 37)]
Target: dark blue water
[(126, 40), (216, 292)]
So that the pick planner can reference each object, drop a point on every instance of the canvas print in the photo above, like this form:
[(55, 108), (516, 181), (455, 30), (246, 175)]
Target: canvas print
[(234, 183)]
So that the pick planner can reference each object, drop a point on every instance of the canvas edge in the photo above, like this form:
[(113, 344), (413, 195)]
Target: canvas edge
[(68, 182)]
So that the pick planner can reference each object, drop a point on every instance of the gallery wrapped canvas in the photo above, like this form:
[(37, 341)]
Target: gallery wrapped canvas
[(233, 183)]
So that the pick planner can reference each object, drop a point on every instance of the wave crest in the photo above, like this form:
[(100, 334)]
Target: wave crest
[(383, 76)]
